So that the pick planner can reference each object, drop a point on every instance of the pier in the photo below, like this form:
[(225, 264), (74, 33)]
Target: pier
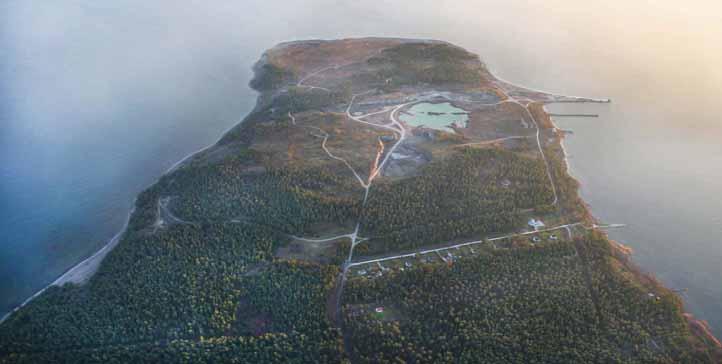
[(575, 115)]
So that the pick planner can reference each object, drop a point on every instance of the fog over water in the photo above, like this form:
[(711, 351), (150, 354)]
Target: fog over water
[(97, 99)]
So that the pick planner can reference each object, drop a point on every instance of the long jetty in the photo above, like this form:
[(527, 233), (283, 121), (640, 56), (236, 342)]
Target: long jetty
[(575, 115)]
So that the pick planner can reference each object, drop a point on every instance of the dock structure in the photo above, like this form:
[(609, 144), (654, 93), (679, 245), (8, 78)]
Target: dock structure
[(578, 100), (608, 226), (574, 115)]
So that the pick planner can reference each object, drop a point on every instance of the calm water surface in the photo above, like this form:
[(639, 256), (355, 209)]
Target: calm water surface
[(97, 100), (436, 116)]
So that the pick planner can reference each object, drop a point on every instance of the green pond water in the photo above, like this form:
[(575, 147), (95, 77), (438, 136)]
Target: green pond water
[(436, 116)]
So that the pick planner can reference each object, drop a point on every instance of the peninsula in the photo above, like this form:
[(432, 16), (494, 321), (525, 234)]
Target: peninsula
[(387, 200)]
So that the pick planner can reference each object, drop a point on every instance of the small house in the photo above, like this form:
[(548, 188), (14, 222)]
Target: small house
[(536, 224)]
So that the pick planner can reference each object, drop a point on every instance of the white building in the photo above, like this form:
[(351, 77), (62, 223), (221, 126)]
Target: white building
[(536, 224)]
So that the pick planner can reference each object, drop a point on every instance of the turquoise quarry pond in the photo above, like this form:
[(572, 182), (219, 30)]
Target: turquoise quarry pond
[(435, 115)]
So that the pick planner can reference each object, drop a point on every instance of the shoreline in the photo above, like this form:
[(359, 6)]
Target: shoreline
[(699, 327), (82, 271), (563, 98)]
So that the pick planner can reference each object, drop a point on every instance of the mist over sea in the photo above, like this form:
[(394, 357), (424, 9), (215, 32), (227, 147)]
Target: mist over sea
[(98, 99)]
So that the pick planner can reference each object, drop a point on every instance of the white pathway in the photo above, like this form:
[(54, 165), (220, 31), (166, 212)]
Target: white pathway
[(437, 250)]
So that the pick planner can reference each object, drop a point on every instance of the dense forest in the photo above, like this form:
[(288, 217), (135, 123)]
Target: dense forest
[(288, 199), (460, 196), (280, 348), (188, 285), (541, 304)]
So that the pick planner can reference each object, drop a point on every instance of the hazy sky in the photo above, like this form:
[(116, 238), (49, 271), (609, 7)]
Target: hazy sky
[(100, 51)]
